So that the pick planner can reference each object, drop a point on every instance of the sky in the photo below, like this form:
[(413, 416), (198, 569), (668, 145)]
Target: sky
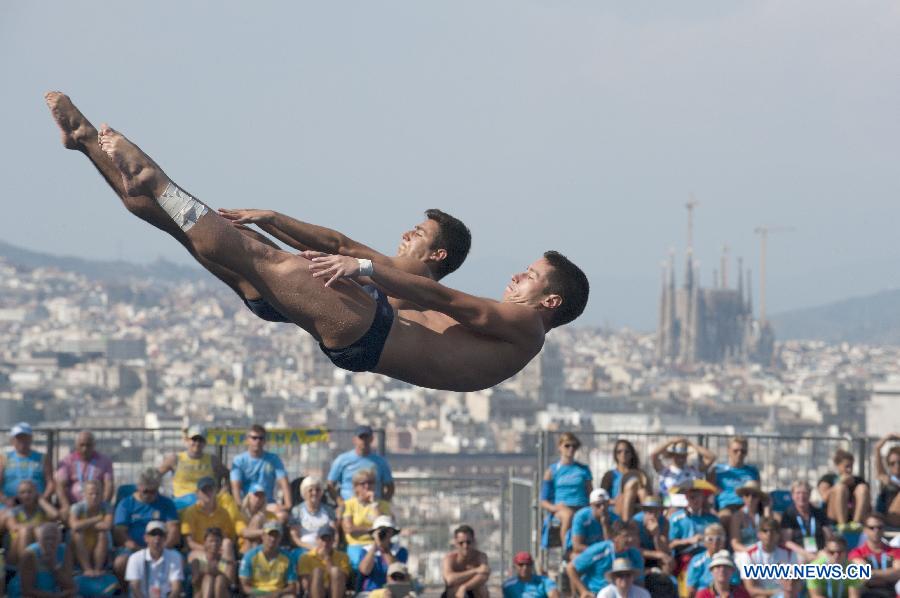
[(581, 126)]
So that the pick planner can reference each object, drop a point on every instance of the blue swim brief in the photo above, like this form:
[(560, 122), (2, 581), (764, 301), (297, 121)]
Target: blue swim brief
[(363, 355)]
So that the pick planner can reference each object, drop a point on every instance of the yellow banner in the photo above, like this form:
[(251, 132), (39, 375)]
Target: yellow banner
[(285, 436)]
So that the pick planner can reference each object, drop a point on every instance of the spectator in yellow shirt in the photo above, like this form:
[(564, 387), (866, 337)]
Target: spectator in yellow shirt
[(360, 512), (204, 514), (324, 571)]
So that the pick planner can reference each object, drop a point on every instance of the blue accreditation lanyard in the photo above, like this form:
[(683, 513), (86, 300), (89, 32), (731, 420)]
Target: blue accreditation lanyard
[(812, 526), (883, 559)]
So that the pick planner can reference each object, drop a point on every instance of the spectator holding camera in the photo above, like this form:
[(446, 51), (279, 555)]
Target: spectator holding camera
[(381, 554)]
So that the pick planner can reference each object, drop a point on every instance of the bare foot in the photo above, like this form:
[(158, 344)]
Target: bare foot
[(140, 174), (76, 129)]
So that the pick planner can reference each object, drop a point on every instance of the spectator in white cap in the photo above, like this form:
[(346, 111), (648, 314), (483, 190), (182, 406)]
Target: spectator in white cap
[(592, 523), (621, 581), (399, 584), (381, 553), (190, 465), (22, 463), (83, 463), (678, 470), (155, 570), (724, 580), (311, 514)]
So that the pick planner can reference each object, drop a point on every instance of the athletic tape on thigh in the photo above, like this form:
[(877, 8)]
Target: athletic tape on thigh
[(183, 209)]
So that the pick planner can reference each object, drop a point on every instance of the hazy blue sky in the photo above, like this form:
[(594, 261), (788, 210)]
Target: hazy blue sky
[(580, 125)]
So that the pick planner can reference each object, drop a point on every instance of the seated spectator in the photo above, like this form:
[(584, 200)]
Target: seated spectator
[(884, 559), (593, 523), (526, 583), (766, 552), (133, 515), (678, 470), (653, 534), (83, 464), (311, 514), (258, 466), (803, 526), (204, 514), (888, 501), (266, 569), (621, 581), (21, 463), (835, 554), (587, 572), (345, 465), (190, 465), (730, 476), (745, 521), (23, 520), (45, 566), (91, 523), (567, 484), (626, 484), (155, 570), (848, 501), (465, 569), (255, 515), (380, 554), (324, 570), (686, 526), (360, 512), (399, 584), (699, 574), (212, 574), (724, 573)]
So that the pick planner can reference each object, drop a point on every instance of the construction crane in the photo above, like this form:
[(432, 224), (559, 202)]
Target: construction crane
[(763, 232)]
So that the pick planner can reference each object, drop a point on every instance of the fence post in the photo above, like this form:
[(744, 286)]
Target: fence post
[(541, 441), (862, 458), (381, 445), (505, 520)]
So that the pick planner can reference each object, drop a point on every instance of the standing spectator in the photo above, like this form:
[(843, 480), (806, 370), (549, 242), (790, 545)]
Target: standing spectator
[(46, 567), (23, 520), (80, 465), (267, 569), (587, 572), (311, 514), (835, 554), (621, 581), (381, 554), (803, 526), (848, 501), (258, 466), (567, 484), (360, 512), (204, 514), (340, 476), (155, 570), (699, 571), (678, 471), (134, 514), (728, 477), (884, 559), (465, 569), (723, 575), (745, 521), (626, 483), (190, 465), (91, 523), (766, 552), (254, 516), (888, 501), (212, 574), (686, 526), (22, 463), (593, 523), (324, 571), (526, 583), (653, 533)]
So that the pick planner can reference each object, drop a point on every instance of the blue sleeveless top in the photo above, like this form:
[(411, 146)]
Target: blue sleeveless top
[(569, 483), (45, 581), (20, 468)]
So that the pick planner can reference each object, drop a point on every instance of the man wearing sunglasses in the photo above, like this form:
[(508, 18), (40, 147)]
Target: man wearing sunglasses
[(465, 569), (191, 465), (258, 466), (345, 465), (526, 583), (835, 554), (884, 559), (766, 552)]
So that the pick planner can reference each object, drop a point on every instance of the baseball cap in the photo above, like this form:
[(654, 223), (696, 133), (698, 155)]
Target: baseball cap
[(325, 531), (196, 430), (598, 495), (205, 482), (21, 428), (398, 567), (155, 526), (256, 487), (363, 431), (721, 558), (679, 448), (271, 526), (523, 558)]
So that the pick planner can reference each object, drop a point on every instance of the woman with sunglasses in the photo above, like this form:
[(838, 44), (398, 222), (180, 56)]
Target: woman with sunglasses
[(745, 521), (626, 483), (190, 466), (360, 512), (888, 500), (567, 484)]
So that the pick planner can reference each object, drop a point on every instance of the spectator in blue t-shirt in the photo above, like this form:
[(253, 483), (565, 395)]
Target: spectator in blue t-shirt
[(653, 532), (380, 554), (686, 525), (526, 583), (567, 484), (730, 476), (699, 574), (340, 476), (587, 572), (258, 466), (592, 523), (23, 463), (134, 512)]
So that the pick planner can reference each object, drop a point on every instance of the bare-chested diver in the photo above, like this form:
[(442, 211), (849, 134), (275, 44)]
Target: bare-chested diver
[(455, 342), (434, 248)]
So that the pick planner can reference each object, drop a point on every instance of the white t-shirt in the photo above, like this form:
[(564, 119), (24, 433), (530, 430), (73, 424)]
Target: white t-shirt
[(757, 556), (611, 591), (308, 523), (155, 574)]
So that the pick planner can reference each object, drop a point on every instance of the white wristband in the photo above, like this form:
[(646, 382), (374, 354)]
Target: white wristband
[(366, 268)]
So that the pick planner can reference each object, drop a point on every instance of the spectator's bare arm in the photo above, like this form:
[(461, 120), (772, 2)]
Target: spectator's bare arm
[(173, 534)]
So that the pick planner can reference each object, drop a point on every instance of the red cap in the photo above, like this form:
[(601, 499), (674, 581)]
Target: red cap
[(522, 558)]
